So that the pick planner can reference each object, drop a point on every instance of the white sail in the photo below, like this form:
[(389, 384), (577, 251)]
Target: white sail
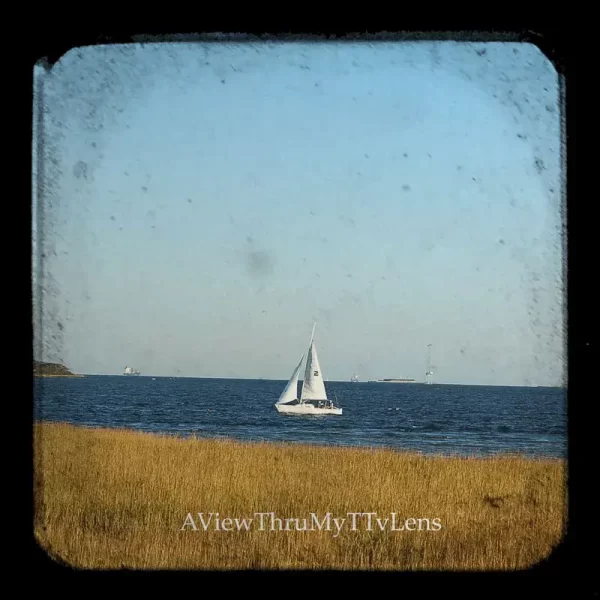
[(290, 393), (313, 386)]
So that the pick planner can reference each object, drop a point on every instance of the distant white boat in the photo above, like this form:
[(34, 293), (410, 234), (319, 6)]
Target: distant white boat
[(313, 397), (130, 371), (354, 378)]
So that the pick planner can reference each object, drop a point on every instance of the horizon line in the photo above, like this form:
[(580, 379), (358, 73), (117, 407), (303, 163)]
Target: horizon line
[(415, 382)]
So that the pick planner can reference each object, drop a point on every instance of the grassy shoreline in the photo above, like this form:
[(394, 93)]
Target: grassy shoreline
[(118, 498)]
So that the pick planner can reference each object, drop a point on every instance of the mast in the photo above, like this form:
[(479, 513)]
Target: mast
[(308, 363)]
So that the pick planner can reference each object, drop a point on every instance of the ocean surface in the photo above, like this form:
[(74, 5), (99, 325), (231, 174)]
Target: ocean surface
[(449, 419)]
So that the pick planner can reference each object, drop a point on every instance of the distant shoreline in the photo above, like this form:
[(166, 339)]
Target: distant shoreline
[(370, 381), (63, 376), (47, 369)]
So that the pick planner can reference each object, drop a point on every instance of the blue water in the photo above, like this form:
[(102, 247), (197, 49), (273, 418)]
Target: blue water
[(449, 419)]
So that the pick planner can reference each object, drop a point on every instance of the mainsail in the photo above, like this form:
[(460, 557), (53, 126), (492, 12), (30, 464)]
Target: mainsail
[(290, 392), (313, 386)]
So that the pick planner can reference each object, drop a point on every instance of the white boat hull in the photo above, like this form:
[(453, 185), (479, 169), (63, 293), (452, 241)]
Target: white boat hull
[(306, 409)]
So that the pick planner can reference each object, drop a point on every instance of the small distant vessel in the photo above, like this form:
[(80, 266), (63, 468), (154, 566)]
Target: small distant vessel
[(130, 371), (354, 378), (313, 398), (401, 380)]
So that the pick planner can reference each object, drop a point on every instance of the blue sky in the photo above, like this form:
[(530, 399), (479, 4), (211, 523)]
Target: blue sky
[(205, 202)]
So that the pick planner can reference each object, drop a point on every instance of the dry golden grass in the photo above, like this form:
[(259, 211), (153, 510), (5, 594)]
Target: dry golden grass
[(112, 498)]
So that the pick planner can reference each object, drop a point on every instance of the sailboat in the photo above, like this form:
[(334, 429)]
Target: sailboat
[(313, 397)]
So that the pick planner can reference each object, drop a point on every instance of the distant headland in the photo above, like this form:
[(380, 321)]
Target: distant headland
[(46, 369)]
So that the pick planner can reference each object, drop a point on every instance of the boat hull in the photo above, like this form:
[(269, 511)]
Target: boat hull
[(306, 409)]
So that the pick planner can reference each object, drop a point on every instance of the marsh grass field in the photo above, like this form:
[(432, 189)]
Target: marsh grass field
[(110, 499)]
